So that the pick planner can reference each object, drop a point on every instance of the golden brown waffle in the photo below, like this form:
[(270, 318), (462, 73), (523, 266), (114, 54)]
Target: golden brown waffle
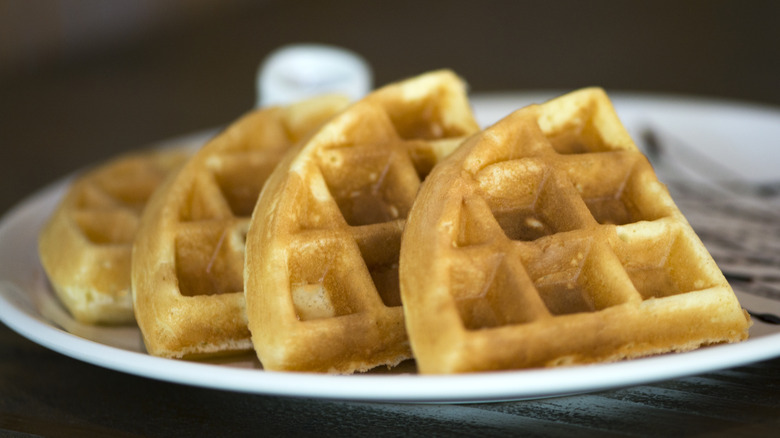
[(85, 246), (188, 257), (321, 271), (548, 240)]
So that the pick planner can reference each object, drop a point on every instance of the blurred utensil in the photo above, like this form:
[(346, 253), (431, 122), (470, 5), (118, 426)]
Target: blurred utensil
[(658, 144)]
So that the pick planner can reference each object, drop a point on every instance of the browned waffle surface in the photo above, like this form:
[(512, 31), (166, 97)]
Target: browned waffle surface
[(187, 266), (321, 269), (548, 240), (85, 246)]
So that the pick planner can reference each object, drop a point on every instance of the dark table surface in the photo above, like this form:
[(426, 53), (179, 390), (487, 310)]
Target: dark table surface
[(58, 117)]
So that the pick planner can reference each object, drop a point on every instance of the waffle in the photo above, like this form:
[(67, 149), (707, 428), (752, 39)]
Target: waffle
[(321, 270), (85, 246), (548, 240), (188, 257)]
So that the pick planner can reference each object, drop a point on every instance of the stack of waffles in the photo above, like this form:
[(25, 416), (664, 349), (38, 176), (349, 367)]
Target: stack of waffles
[(335, 237)]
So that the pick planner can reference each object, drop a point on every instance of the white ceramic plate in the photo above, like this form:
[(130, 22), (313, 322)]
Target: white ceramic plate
[(740, 136)]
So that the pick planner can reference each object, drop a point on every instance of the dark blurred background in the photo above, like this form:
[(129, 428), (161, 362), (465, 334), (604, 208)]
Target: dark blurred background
[(82, 80)]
